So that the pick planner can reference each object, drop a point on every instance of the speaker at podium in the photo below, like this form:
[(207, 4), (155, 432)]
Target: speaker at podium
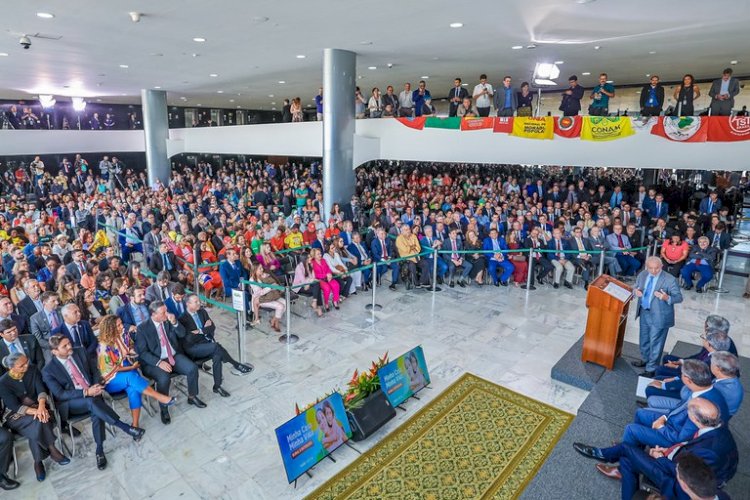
[(608, 302)]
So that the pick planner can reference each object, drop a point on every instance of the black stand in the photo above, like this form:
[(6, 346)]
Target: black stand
[(352, 447)]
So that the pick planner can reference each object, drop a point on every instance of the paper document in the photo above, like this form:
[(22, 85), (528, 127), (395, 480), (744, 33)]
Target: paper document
[(643, 382), (618, 292)]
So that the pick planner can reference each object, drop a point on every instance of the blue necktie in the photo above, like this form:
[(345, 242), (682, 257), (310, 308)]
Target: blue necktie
[(198, 322), (12, 348), (646, 302)]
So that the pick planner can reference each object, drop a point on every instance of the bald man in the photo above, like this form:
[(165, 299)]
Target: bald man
[(657, 293), (713, 443)]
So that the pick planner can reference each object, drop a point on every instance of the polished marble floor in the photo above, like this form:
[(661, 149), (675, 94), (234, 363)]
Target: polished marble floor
[(228, 450)]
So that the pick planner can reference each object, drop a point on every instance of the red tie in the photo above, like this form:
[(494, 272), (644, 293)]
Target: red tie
[(385, 250), (559, 254), (619, 240), (165, 343), (76, 374)]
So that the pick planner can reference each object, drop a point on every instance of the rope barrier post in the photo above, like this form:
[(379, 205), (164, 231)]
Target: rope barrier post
[(196, 259), (435, 288), (530, 275), (288, 337), (720, 287), (601, 262), (374, 306), (238, 303)]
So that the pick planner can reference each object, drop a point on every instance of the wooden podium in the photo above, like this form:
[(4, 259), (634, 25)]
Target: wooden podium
[(608, 300)]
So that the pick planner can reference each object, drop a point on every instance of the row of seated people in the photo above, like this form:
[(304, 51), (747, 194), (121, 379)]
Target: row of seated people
[(73, 365), (686, 417)]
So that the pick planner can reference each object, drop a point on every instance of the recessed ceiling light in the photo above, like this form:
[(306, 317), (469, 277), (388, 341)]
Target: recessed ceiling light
[(464, 84), (219, 91), (586, 73), (652, 52), (597, 47), (582, 2), (424, 77), (559, 62), (270, 95), (372, 67), (366, 42), (124, 66), (199, 104), (98, 100), (648, 74), (157, 87), (531, 46), (123, 94), (733, 62), (199, 39), (259, 19), (231, 100), (45, 15), (273, 103), (213, 75), (3, 54), (238, 107), (456, 25), (281, 82), (517, 47), (301, 56), (610, 81)]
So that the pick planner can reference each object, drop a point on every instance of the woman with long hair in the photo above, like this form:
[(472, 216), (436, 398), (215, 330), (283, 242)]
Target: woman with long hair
[(119, 368), (267, 297), (520, 266), (136, 277), (296, 109), (67, 289), (88, 280), (119, 292), (92, 309), (685, 94), (303, 274)]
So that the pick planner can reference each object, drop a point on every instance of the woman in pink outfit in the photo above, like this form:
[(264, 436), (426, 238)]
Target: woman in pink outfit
[(328, 285)]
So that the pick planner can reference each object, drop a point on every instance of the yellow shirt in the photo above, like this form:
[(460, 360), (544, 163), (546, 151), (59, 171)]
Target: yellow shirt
[(408, 245), (294, 240)]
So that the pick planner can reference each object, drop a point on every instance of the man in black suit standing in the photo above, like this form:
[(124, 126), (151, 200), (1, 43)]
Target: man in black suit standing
[(165, 260), (456, 96), (78, 389), (722, 93), (200, 342), (6, 312), (24, 344), (157, 342), (652, 98)]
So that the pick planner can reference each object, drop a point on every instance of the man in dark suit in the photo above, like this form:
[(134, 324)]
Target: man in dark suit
[(231, 272), (31, 304), (78, 389), (713, 443), (165, 260), (135, 311), (382, 253), (497, 259), (77, 268), (24, 344), (722, 93), (6, 455), (713, 322), (697, 479), (652, 97), (541, 264), (6, 312), (456, 96), (659, 208), (560, 259), (454, 258), (719, 238), (357, 248), (657, 293), (130, 239), (711, 204), (161, 289), (176, 302), (199, 342), (46, 322), (158, 343), (583, 260), (79, 331)]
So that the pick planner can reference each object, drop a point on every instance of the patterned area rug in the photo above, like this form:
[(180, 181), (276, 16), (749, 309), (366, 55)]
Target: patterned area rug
[(475, 440)]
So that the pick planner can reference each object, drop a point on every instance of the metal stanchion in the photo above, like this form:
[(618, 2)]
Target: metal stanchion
[(239, 305), (288, 337), (373, 306), (435, 288), (530, 276), (196, 259), (720, 287), (601, 262)]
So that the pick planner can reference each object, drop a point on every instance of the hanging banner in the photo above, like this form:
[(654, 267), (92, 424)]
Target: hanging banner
[(681, 128), (533, 128), (728, 128), (453, 122), (477, 123), (568, 126), (503, 125), (606, 128), (416, 123)]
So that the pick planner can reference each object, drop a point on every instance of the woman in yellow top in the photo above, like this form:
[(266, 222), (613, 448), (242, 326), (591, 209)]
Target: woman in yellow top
[(119, 368)]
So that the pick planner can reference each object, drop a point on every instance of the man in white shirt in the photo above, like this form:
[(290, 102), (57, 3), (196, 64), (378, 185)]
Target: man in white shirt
[(405, 102), (483, 96)]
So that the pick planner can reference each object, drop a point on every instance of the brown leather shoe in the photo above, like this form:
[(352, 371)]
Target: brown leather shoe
[(611, 471)]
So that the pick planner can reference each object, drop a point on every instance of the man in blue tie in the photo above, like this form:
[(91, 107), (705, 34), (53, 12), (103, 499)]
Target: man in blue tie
[(657, 293)]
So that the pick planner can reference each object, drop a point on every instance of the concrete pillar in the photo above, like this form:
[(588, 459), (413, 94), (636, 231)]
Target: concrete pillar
[(339, 73), (156, 129)]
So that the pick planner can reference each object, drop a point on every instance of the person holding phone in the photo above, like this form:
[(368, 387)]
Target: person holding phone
[(483, 94), (657, 293), (600, 96)]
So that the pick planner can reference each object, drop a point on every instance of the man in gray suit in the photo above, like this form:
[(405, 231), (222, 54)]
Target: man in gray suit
[(46, 322), (722, 93), (657, 294)]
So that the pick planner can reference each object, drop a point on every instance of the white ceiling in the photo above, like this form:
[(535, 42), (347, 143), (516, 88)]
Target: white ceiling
[(251, 55)]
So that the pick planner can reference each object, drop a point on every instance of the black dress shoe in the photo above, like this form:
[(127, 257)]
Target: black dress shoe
[(647, 374), (137, 433), (451, 284), (585, 285), (699, 290), (568, 285), (588, 451), (244, 368), (196, 402), (462, 284), (101, 462), (66, 429), (392, 287), (539, 280), (40, 471), (439, 280), (556, 285), (497, 284), (7, 483), (165, 418), (504, 283), (690, 287), (221, 392), (638, 364)]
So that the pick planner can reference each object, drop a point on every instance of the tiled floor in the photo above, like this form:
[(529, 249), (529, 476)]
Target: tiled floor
[(228, 450)]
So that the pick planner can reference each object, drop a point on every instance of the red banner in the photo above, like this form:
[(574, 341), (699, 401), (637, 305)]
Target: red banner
[(729, 128), (568, 126), (477, 123), (503, 125), (416, 123), (682, 128)]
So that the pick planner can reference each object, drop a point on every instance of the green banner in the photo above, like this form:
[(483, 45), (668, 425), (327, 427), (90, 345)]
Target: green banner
[(453, 122)]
